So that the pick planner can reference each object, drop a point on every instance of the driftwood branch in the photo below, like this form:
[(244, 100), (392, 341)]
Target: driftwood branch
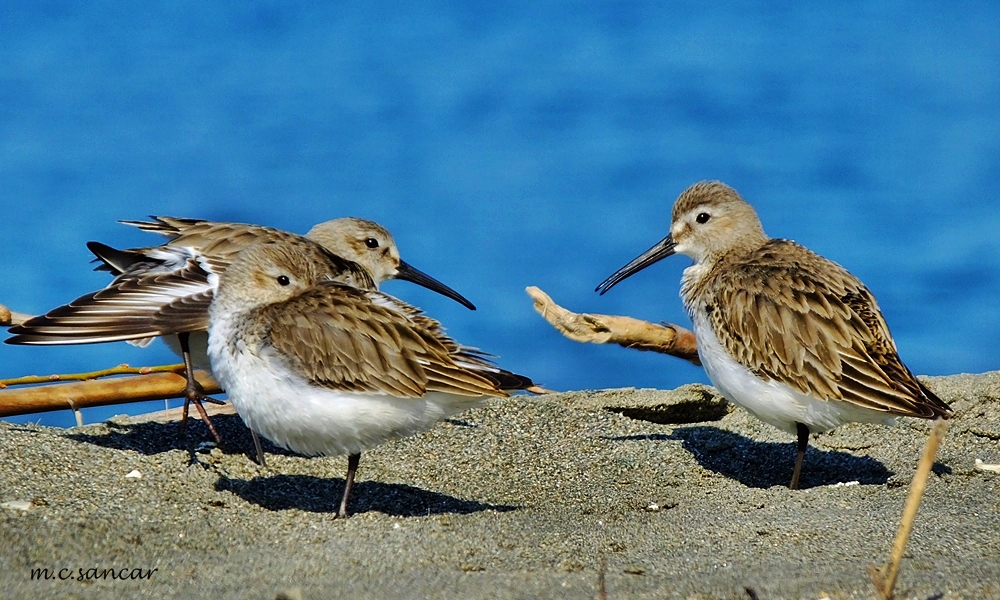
[(624, 331), (99, 392), (9, 318)]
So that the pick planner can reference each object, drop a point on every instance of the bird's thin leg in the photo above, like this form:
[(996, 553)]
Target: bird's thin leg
[(352, 468), (803, 433), (260, 450), (193, 392)]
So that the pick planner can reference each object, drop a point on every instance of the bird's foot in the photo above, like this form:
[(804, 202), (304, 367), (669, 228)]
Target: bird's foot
[(195, 394)]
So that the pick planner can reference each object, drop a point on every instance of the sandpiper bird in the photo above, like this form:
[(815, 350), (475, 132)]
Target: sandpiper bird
[(166, 289), (785, 333), (323, 368)]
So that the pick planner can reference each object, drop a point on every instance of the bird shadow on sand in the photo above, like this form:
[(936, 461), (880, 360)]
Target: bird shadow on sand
[(318, 494), (154, 438), (767, 464)]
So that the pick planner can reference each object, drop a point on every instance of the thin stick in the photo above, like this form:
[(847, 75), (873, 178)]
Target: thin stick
[(885, 581), (122, 369), (602, 585), (103, 392)]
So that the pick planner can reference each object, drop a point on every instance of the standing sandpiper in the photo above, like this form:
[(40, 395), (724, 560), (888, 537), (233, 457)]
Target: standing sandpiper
[(783, 332), (166, 289), (322, 368)]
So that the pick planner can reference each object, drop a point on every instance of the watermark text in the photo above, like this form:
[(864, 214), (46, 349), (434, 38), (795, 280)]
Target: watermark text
[(92, 574)]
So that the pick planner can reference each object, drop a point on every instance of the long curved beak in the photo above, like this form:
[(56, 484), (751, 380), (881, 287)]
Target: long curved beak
[(661, 250), (407, 273)]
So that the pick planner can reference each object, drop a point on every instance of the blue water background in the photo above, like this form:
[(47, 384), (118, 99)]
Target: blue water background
[(513, 144)]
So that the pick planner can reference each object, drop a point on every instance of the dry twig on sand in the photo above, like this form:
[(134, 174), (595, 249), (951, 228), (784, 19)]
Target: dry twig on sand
[(987, 467), (885, 580), (624, 331)]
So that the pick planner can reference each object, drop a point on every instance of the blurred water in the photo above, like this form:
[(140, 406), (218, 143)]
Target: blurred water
[(515, 144)]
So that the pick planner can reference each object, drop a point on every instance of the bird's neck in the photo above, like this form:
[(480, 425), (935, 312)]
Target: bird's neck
[(697, 280)]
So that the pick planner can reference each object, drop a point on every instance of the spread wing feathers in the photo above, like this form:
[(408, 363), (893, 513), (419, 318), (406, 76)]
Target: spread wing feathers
[(170, 227), (341, 337), (170, 296), (117, 261), (813, 326), (222, 241)]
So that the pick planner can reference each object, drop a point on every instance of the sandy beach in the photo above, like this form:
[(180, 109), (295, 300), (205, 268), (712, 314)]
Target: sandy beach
[(662, 494)]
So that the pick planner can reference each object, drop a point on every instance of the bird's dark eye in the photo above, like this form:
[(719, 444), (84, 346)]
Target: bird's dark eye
[(703, 218), (283, 280), (371, 243)]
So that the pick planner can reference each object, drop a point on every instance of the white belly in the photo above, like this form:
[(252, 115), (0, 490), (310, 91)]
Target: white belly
[(313, 420), (771, 401)]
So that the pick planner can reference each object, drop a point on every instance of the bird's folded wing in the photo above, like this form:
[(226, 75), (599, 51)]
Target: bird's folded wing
[(345, 338), (819, 332)]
